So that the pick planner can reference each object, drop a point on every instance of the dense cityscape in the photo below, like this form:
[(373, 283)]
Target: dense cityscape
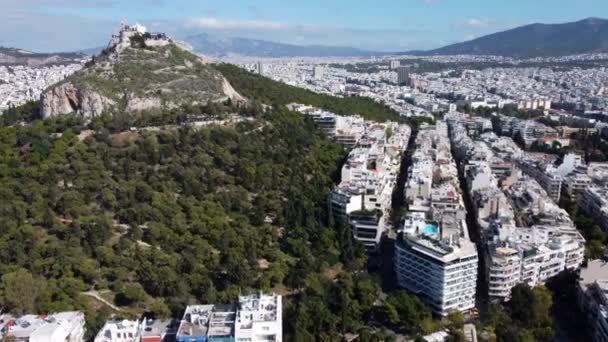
[(153, 191)]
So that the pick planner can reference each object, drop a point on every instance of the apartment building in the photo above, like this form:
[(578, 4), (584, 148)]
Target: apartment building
[(363, 199), (259, 319), (119, 331), (255, 318), (434, 257), (58, 327), (576, 184), (594, 202), (592, 297), (207, 323), (529, 237), (442, 273), (158, 330), (545, 174)]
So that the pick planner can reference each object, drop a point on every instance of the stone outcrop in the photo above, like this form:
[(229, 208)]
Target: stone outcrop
[(137, 104), (66, 98)]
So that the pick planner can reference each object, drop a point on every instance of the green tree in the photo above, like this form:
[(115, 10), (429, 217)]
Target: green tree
[(21, 290)]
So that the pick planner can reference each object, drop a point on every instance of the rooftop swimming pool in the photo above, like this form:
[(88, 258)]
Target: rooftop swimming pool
[(430, 229)]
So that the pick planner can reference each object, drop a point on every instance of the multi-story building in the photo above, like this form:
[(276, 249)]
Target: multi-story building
[(594, 202), (394, 64), (546, 175), (119, 331), (346, 130), (207, 323), (592, 296), (434, 257), (529, 237), (442, 272), (259, 319), (504, 272), (403, 75), (158, 330), (363, 198), (318, 72), (256, 318), (63, 326), (576, 184)]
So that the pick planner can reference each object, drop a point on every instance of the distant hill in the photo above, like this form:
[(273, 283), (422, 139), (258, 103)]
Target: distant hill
[(137, 73), (536, 40), (225, 46), (14, 56), (91, 51)]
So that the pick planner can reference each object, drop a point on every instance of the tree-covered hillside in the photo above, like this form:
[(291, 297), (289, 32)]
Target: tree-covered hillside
[(268, 91), (164, 218)]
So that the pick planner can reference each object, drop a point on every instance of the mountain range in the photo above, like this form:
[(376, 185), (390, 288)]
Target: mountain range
[(536, 40), (226, 46), (13, 56)]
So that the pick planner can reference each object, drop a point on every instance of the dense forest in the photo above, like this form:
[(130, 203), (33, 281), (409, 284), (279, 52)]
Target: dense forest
[(165, 218)]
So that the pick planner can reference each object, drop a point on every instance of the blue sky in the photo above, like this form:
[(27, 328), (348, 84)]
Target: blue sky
[(383, 25)]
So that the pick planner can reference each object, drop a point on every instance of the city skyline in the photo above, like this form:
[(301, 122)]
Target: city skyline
[(43, 25)]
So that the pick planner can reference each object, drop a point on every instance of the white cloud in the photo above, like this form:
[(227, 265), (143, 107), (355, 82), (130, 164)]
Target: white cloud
[(476, 22), (222, 24)]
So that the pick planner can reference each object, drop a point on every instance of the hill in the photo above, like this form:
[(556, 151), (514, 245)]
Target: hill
[(137, 72), (14, 56), (536, 40), (158, 218), (223, 46)]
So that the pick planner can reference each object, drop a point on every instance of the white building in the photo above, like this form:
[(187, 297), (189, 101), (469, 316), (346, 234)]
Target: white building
[(394, 64), (59, 327), (119, 331), (594, 202), (364, 196), (442, 273), (318, 72), (530, 238), (592, 296), (434, 257), (576, 184), (259, 319)]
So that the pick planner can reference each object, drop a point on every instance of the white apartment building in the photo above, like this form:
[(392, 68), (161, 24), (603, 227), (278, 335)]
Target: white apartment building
[(576, 184), (434, 257), (530, 238), (59, 327), (119, 331), (442, 273), (504, 271), (592, 297), (532, 256), (259, 318), (363, 198), (318, 72), (546, 175), (594, 202)]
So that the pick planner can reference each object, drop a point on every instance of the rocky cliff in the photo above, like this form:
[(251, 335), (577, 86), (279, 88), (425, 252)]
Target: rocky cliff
[(66, 98), (135, 75)]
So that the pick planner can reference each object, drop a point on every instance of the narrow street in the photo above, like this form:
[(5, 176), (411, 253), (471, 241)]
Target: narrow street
[(482, 300), (382, 263)]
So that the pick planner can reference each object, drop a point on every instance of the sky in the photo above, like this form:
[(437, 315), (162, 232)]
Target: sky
[(377, 25)]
